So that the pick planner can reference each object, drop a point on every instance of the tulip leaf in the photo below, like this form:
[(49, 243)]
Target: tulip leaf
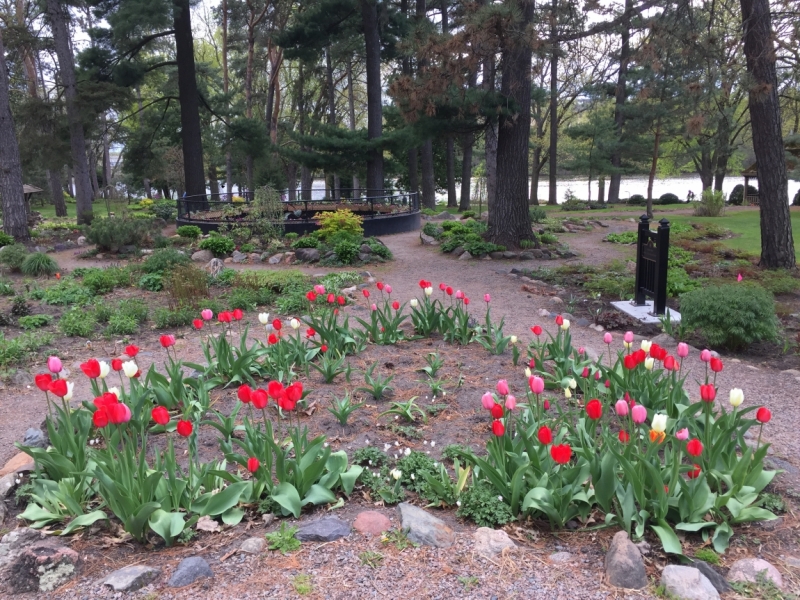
[(695, 527), (286, 495), (168, 525), (319, 495), (224, 500), (84, 521), (233, 516), (669, 540), (350, 477), (606, 486)]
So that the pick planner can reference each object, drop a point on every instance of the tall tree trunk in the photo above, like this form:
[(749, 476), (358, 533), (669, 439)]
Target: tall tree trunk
[(58, 17), (106, 161), (15, 211), (291, 179), (428, 178), (54, 181), (450, 149), (91, 158), (369, 17), (490, 140), (619, 102), (274, 93), (777, 244), (467, 143), (225, 87), (509, 219), (331, 111), (26, 52), (306, 180), (601, 189), (213, 182), (552, 197), (653, 167), (189, 97), (351, 107)]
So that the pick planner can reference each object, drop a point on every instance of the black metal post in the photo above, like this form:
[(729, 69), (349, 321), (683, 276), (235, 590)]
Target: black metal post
[(644, 229), (662, 267)]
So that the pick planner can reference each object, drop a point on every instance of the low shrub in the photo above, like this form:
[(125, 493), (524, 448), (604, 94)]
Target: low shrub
[(626, 237), (15, 350), (736, 197), (218, 245), (113, 233), (468, 214), (187, 286), (167, 318), (13, 256), (538, 214), (134, 308), (67, 293), (38, 264), (164, 209), (120, 324), (730, 316), (77, 322), (152, 282), (291, 236), (548, 238), (34, 321), (5, 239), (379, 248), (481, 505), (100, 281), (244, 298), (712, 204), (342, 220), (6, 288), (164, 261), (432, 229), (346, 251), (336, 282), (669, 198), (306, 241), (189, 231), (573, 204)]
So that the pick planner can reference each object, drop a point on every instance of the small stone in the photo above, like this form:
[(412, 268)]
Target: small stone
[(491, 542), (624, 565), (664, 340), (202, 256), (35, 438), (445, 216), (18, 463), (81, 241), (326, 529), (214, 267), (556, 300), (582, 322), (365, 249), (253, 545), (687, 583), (560, 557), (371, 522), (424, 528), (509, 254), (130, 579), (526, 256), (496, 255), (277, 258), (465, 256), (364, 257), (792, 372), (268, 518), (239, 257), (308, 255), (427, 240), (543, 312), (792, 561), (457, 251), (717, 580), (748, 570), (3, 511), (99, 256), (289, 258), (190, 570), (254, 257), (7, 483)]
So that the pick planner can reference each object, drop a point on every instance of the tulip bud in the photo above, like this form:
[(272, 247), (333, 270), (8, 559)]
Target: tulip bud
[(487, 401), (129, 368), (54, 364), (682, 434), (511, 402), (294, 324), (319, 289), (536, 384), (104, 369), (487, 298), (705, 355), (683, 350), (607, 338), (648, 363), (263, 318), (639, 414), (659, 423), (513, 339), (114, 390), (621, 407), (70, 388), (397, 474), (387, 289), (567, 393), (628, 337), (459, 295), (373, 308), (207, 314), (646, 344), (502, 387), (565, 325), (414, 303), (528, 372), (737, 397), (573, 384), (428, 291)]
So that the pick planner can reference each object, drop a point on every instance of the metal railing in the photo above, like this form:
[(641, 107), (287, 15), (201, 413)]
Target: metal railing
[(652, 264)]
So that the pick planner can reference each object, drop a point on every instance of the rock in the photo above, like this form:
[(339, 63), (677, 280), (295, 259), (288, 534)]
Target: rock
[(253, 545), (664, 340), (68, 245), (146, 251), (364, 257), (560, 557), (239, 257), (509, 254), (40, 566), (568, 254), (214, 267), (371, 522), (581, 322), (268, 518), (491, 542), (465, 256), (748, 570), (326, 529), (457, 251), (496, 255), (35, 438), (202, 256), (687, 583), (556, 300), (445, 216), (329, 254), (717, 580), (3, 511), (81, 241), (190, 570), (424, 528), (643, 547), (624, 565), (365, 249), (526, 256), (7, 483), (206, 523), (543, 312), (16, 464), (792, 372), (308, 255), (486, 257), (427, 240), (21, 378), (254, 257), (793, 561), (352, 290), (130, 579), (277, 258), (99, 256), (630, 266), (289, 258)]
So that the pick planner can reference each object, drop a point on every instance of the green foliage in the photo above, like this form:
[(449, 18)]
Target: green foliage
[(244, 298), (453, 451), (731, 316), (370, 456), (612, 283), (375, 384), (538, 214), (707, 555), (99, 281), (302, 584), (432, 229), (133, 308), (218, 245), (291, 236), (399, 539), (669, 198), (548, 238), (772, 502), (191, 232), (164, 261), (337, 281), (307, 241), (152, 282), (342, 408), (168, 318), (481, 505), (19, 307), (342, 220), (283, 540), (626, 237), (5, 239), (13, 256), (67, 293), (736, 197), (6, 288), (780, 282), (77, 322), (121, 325), (679, 282), (712, 204), (573, 205), (187, 286), (371, 559), (35, 321), (414, 467), (378, 248), (113, 233), (346, 251), (15, 350), (637, 200), (468, 214), (38, 264), (164, 209)]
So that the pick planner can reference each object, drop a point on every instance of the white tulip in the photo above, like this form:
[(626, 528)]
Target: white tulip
[(567, 393), (414, 303), (659, 423), (104, 369), (263, 318), (565, 325), (646, 345), (573, 384), (513, 339), (70, 387), (737, 397), (528, 372), (397, 474), (129, 368), (114, 390), (648, 363), (428, 291), (294, 324)]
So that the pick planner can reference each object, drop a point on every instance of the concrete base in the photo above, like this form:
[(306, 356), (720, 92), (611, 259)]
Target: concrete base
[(644, 313)]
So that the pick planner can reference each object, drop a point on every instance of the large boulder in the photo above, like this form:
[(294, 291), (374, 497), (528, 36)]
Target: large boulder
[(624, 565), (202, 256), (424, 528), (748, 570), (687, 583), (326, 529), (29, 562), (309, 255)]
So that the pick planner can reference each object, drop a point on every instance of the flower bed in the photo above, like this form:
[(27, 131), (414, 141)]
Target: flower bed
[(618, 441)]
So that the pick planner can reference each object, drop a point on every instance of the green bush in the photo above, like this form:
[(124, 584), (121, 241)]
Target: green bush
[(67, 293), (548, 238), (305, 242), (346, 251), (5, 239), (780, 282), (6, 288), (574, 204), (669, 198), (731, 316), (626, 237), (379, 249), (13, 256), (637, 200), (77, 322), (481, 505), (113, 233), (432, 229), (15, 350), (243, 298), (736, 197), (120, 324), (218, 245), (38, 264), (34, 321), (342, 220), (336, 282), (152, 282), (712, 204), (163, 261), (538, 214), (100, 281), (468, 214), (164, 209), (189, 231), (291, 236), (167, 318), (134, 308), (103, 311), (679, 282)]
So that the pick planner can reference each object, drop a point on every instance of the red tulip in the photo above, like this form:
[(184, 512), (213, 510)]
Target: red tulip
[(365, 291), (184, 428), (655, 350), (238, 314), (224, 317), (197, 324), (639, 356), (561, 453), (763, 415), (708, 392), (160, 415), (448, 290), (607, 383), (694, 473), (442, 286), (116, 364), (295, 391), (537, 330), (585, 372), (323, 348), (694, 447), (340, 300), (43, 380), (559, 320), (311, 296), (91, 368), (670, 364), (118, 413), (100, 418), (167, 340), (497, 411), (131, 350), (105, 400), (276, 324), (629, 361), (259, 398), (716, 365), (545, 435), (624, 437), (379, 285), (274, 388), (331, 298), (253, 464), (272, 339), (58, 388), (594, 409), (244, 392), (396, 305), (546, 405), (498, 428)]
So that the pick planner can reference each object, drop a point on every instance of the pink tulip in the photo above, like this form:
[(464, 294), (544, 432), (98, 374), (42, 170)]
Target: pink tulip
[(459, 295), (487, 298), (502, 387), (682, 434), (373, 308), (607, 338), (705, 355), (628, 337), (536, 383), (387, 288), (597, 375), (511, 402), (622, 408), (639, 414), (683, 350), (207, 314), (487, 400), (739, 278), (54, 364), (319, 289)]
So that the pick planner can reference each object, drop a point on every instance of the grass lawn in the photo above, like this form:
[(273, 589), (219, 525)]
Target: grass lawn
[(49, 211), (745, 223)]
